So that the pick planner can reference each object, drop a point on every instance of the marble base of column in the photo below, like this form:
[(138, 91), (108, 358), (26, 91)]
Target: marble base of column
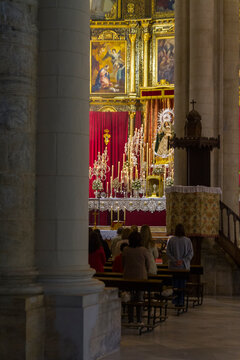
[(70, 282), (22, 324), (83, 327), (22, 281)]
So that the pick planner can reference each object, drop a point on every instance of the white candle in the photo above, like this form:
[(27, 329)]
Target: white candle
[(118, 169)]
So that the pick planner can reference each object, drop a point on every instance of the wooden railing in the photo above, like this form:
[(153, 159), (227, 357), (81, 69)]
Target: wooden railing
[(229, 232)]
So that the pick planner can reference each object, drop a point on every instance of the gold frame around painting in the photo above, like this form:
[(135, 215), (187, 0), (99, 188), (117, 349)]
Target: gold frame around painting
[(164, 69), (108, 73), (113, 14), (163, 13)]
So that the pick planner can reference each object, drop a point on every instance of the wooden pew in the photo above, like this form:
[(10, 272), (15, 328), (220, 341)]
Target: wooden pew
[(165, 278), (147, 286)]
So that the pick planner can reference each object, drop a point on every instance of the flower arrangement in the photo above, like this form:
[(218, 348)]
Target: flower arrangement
[(136, 184), (169, 181), (115, 183), (157, 171), (97, 184)]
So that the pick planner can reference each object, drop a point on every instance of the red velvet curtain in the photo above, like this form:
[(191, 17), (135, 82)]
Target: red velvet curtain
[(117, 124), (138, 120)]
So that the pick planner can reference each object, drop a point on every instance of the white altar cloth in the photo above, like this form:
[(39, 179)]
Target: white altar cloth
[(128, 204), (108, 234)]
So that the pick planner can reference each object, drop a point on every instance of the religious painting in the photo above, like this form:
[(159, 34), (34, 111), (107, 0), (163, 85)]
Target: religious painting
[(163, 8), (108, 72), (104, 9), (165, 48)]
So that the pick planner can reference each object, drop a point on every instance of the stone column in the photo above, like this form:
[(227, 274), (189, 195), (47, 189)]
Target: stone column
[(230, 111), (18, 48), (181, 90), (62, 149), (201, 62), (74, 306), (21, 302)]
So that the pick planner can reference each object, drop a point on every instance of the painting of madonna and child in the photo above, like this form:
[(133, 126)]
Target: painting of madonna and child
[(99, 9), (108, 59)]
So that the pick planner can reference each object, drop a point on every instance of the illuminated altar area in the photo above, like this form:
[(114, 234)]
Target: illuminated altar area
[(131, 111)]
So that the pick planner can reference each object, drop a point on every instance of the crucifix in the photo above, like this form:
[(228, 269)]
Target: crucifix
[(193, 102)]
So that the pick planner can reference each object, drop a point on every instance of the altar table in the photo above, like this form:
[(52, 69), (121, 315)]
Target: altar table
[(132, 211)]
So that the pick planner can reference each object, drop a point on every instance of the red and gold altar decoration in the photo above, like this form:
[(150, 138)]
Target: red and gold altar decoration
[(132, 99)]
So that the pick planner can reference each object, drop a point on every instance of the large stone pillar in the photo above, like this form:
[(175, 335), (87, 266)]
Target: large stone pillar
[(230, 111), (62, 149), (181, 90), (74, 307), (201, 61), (21, 302), (206, 69)]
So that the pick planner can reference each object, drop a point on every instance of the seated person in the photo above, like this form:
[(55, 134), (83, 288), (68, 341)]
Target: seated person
[(104, 244), (117, 263), (136, 264), (116, 238), (96, 256), (124, 239)]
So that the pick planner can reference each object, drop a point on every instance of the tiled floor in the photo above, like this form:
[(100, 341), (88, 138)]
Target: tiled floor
[(207, 332)]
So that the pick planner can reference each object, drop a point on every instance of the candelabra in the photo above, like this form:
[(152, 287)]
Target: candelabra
[(100, 167)]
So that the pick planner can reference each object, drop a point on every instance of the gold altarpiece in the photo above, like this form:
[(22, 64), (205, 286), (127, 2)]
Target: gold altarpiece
[(132, 69)]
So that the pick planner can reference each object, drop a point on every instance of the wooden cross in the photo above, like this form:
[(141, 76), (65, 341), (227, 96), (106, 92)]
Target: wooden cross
[(193, 102)]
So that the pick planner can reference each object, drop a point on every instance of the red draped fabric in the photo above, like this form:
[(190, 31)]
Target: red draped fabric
[(138, 120), (117, 124)]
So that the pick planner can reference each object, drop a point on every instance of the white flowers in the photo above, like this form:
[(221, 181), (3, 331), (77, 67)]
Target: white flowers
[(169, 181), (136, 184), (97, 184)]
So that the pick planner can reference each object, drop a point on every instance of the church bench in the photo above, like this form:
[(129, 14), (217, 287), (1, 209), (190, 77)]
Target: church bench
[(166, 278), (194, 269), (151, 306)]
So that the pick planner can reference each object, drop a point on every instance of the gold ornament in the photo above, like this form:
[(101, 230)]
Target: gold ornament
[(106, 136)]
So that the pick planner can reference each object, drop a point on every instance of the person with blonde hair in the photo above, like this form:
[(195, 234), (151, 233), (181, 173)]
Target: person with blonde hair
[(124, 239), (134, 228), (149, 244)]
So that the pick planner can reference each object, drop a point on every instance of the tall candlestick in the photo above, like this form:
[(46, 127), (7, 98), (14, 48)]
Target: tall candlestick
[(147, 160), (112, 171), (118, 169), (107, 188), (111, 186), (136, 173)]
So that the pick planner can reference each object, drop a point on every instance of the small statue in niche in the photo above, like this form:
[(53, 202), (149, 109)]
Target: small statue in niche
[(164, 153), (193, 125)]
